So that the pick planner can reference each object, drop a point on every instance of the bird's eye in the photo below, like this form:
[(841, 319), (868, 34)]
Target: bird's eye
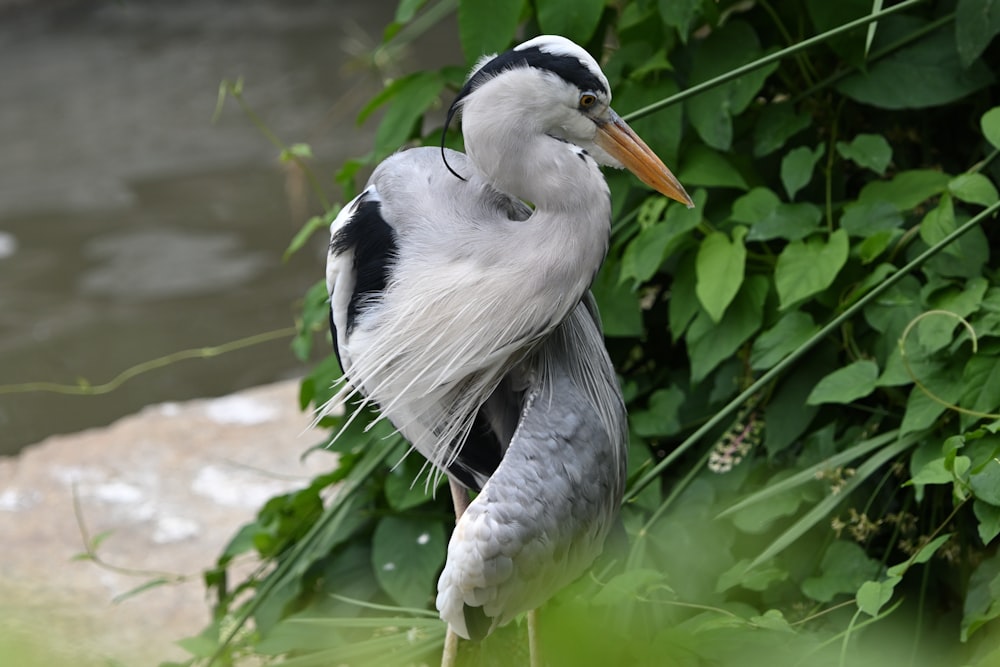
[(587, 100)]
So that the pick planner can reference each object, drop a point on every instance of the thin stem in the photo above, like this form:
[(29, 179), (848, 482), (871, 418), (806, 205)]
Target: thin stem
[(794, 356), (766, 60), (84, 388)]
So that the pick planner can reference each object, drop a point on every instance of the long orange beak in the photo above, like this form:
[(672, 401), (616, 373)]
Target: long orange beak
[(616, 138)]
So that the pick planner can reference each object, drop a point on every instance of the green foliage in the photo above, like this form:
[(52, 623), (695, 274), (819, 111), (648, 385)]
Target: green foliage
[(810, 358)]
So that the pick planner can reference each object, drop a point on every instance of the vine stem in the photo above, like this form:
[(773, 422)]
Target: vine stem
[(84, 388), (767, 60), (795, 355)]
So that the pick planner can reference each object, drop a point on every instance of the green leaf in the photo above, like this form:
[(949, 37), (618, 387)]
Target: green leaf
[(770, 218), (981, 381), (662, 417), (793, 329), (932, 472), (927, 73), (706, 167), (621, 314), (973, 188), (712, 112), (870, 151), (719, 270), (922, 556), (990, 125), (922, 410), (985, 483), (797, 167), (807, 267), (872, 595), (683, 304), (989, 520), (845, 567), (407, 554), (680, 15), (709, 343), (777, 124), (867, 218), (786, 416), (311, 226), (977, 22), (846, 384), (646, 252), (413, 96), (404, 488), (757, 579), (575, 19), (982, 600), (907, 189), (487, 26)]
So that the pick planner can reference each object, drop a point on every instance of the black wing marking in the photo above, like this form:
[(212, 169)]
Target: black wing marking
[(373, 243)]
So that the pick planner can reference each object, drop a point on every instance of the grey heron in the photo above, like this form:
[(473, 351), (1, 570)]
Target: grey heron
[(460, 309)]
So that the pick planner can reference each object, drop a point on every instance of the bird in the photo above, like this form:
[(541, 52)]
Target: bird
[(460, 309)]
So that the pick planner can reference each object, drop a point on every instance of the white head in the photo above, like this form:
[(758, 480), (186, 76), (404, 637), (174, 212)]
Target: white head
[(550, 86)]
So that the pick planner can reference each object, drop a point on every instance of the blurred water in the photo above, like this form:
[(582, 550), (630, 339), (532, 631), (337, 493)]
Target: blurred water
[(131, 226)]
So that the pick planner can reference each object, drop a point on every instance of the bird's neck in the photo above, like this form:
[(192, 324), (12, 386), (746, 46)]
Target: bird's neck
[(564, 241), (571, 201)]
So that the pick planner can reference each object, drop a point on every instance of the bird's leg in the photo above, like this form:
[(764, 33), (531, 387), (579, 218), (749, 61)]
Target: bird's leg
[(533, 657), (460, 498)]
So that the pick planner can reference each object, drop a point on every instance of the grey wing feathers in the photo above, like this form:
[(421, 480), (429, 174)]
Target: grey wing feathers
[(542, 517)]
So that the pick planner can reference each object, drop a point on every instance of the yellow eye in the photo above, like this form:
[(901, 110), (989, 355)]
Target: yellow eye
[(587, 100)]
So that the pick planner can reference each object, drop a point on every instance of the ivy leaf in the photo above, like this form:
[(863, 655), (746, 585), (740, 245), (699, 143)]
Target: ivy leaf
[(973, 188), (981, 380), (770, 218), (413, 95), (706, 167), (985, 482), (922, 410), (719, 269), (982, 601), (870, 151), (977, 22), (683, 304), (872, 595), (793, 329), (926, 73), (709, 343), (777, 124), (407, 554), (807, 267), (725, 48), (679, 14), (797, 167), (621, 314), (907, 189), (989, 520), (846, 384), (868, 218), (845, 567), (662, 417), (990, 125), (575, 19), (487, 26), (645, 253)]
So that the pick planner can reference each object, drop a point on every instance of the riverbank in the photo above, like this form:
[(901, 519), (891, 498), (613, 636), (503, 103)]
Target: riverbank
[(168, 486)]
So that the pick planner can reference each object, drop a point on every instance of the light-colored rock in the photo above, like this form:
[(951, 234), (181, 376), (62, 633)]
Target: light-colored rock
[(171, 485)]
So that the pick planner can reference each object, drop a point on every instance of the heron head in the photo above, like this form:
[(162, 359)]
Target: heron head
[(556, 88)]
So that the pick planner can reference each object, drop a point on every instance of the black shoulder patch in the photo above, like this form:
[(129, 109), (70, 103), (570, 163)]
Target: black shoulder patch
[(373, 243)]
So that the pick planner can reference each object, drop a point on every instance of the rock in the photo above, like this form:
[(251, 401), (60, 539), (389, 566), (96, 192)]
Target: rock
[(169, 486)]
